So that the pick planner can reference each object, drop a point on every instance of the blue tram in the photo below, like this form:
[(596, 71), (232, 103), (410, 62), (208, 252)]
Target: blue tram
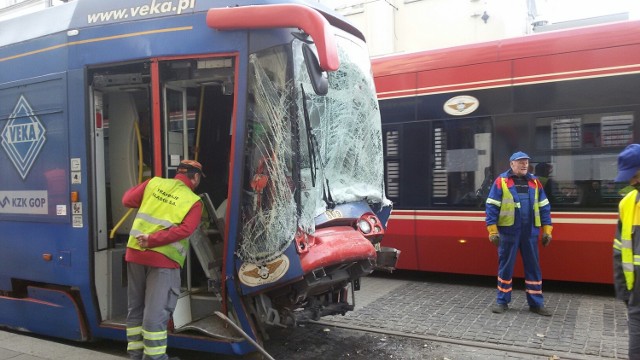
[(274, 98)]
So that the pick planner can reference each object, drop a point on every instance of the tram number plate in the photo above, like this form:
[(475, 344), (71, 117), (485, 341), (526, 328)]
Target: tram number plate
[(333, 214)]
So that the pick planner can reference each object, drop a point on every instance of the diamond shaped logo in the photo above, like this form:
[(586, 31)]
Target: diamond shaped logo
[(23, 137)]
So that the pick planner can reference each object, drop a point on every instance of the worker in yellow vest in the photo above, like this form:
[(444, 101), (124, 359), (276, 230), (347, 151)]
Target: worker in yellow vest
[(168, 212), (626, 245), (516, 209)]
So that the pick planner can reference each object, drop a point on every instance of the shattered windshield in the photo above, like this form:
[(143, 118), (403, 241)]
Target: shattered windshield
[(268, 210), (345, 132), (305, 152)]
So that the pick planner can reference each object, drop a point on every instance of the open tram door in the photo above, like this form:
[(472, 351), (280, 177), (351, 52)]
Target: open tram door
[(147, 116), (196, 113)]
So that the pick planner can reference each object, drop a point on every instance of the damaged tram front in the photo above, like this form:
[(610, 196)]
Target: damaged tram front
[(313, 206)]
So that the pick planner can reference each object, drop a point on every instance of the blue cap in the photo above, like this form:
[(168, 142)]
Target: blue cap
[(519, 155), (628, 163)]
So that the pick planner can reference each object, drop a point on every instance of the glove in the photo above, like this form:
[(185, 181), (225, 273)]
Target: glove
[(546, 235), (494, 237)]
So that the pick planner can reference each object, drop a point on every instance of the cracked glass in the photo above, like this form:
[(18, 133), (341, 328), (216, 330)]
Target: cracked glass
[(305, 152)]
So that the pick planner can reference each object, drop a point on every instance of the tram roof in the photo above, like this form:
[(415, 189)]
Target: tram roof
[(87, 13), (553, 42)]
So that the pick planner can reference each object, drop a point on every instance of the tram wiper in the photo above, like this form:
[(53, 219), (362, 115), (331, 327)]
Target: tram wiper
[(311, 139), (326, 195), (312, 145)]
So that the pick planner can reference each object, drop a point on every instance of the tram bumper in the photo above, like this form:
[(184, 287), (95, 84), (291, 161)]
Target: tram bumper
[(335, 245), (333, 260)]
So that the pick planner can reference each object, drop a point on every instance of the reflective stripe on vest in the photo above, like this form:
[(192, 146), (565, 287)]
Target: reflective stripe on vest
[(165, 203), (628, 217), (537, 204), (507, 216)]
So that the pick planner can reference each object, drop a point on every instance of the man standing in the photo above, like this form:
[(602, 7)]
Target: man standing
[(626, 245), (516, 208), (168, 212)]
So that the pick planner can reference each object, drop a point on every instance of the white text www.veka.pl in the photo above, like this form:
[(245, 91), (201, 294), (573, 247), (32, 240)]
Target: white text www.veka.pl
[(155, 8)]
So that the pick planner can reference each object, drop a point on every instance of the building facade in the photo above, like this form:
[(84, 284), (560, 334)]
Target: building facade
[(395, 26)]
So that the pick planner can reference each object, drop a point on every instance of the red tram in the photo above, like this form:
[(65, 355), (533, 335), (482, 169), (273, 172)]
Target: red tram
[(452, 116)]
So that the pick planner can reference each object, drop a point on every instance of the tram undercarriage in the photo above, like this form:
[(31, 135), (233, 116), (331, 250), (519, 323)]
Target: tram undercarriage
[(320, 293)]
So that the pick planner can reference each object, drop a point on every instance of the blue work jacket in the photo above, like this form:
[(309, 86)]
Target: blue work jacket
[(495, 194)]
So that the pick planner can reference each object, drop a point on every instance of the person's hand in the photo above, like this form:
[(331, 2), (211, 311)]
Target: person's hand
[(546, 239), (494, 236), (546, 235), (143, 240)]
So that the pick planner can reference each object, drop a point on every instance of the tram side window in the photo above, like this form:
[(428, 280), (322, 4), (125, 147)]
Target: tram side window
[(462, 171), (197, 109), (391, 139), (576, 156), (406, 151)]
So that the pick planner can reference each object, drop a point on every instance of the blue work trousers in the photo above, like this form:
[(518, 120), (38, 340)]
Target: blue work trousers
[(507, 253)]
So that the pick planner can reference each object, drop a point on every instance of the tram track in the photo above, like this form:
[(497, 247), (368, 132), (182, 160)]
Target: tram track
[(548, 354)]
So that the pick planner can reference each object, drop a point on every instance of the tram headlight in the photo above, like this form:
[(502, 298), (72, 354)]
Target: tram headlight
[(364, 226)]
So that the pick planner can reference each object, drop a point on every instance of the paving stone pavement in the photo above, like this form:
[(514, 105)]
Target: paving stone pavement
[(585, 323)]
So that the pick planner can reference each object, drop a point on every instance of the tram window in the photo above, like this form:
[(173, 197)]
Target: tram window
[(511, 135), (197, 108), (416, 167), (268, 183), (575, 157), (461, 151), (584, 131), (392, 144), (398, 111)]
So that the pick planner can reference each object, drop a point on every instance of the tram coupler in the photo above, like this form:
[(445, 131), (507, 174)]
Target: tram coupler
[(314, 314), (387, 259)]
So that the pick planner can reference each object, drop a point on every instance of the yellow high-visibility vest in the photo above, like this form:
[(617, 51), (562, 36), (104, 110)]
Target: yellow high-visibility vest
[(165, 203), (629, 217), (507, 216)]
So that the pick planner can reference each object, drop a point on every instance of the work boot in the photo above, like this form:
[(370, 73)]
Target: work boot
[(540, 310), (499, 308)]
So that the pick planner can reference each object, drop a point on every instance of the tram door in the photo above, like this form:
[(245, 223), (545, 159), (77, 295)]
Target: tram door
[(197, 103), (120, 107), (193, 113), (181, 121)]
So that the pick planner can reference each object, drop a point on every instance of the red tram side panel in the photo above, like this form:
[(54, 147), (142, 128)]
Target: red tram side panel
[(526, 90), (455, 242)]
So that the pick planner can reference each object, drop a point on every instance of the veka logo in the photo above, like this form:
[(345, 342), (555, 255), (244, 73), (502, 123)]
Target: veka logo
[(23, 137)]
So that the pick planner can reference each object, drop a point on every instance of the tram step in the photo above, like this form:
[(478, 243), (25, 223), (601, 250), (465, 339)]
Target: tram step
[(214, 327)]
